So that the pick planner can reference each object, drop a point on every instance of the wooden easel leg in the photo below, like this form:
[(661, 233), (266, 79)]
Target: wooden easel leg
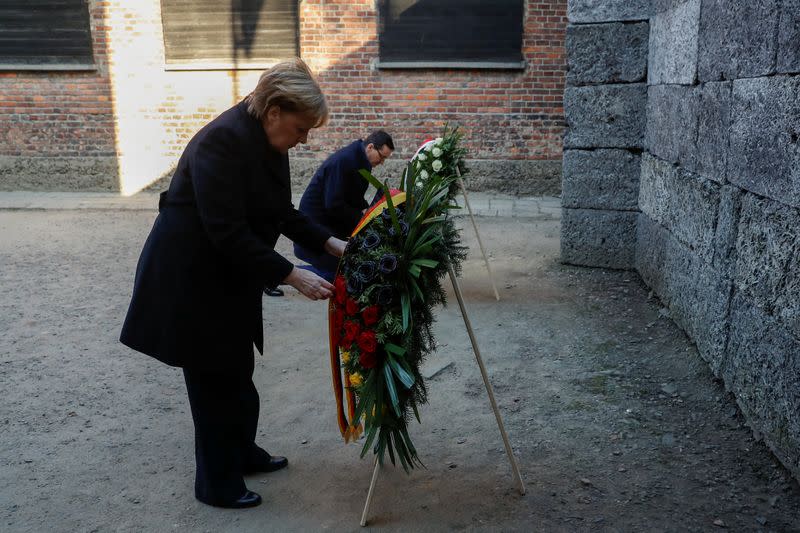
[(369, 493), (478, 235), (512, 459)]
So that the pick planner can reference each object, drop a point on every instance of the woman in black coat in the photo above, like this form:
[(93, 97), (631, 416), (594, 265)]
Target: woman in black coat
[(196, 300)]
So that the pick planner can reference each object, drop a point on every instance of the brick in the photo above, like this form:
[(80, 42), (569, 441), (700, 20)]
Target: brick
[(713, 131)]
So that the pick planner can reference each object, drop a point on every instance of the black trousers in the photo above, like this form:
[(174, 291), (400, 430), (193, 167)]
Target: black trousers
[(225, 413)]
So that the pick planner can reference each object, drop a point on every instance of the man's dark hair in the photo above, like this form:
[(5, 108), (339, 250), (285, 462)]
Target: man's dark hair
[(379, 139)]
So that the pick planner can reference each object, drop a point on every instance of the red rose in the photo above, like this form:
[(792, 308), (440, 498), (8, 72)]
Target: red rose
[(351, 333), (338, 317), (367, 359), (340, 290), (370, 314), (351, 307), (366, 341)]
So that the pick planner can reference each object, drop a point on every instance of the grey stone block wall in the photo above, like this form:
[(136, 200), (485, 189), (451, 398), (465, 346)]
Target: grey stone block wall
[(604, 103), (718, 236), (604, 238), (695, 183)]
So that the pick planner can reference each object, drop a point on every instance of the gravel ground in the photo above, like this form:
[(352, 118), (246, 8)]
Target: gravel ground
[(617, 422)]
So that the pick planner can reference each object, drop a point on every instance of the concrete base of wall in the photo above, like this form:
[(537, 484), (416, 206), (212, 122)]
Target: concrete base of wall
[(520, 178), (58, 173)]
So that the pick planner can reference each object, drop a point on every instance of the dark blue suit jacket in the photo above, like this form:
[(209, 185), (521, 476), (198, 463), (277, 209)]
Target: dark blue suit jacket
[(335, 196), (197, 294)]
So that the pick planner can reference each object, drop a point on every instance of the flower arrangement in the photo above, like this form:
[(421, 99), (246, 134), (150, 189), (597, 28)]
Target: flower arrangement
[(388, 282)]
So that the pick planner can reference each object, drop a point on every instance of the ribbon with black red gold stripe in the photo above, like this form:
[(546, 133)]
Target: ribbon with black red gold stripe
[(351, 429)]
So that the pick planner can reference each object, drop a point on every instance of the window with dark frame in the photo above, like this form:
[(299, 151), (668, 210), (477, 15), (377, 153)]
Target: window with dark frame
[(451, 33), (229, 34), (45, 35)]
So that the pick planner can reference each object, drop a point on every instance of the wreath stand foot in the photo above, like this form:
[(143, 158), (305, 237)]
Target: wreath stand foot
[(370, 493)]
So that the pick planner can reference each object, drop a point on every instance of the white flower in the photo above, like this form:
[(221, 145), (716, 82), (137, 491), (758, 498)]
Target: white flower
[(438, 141), (437, 152), (422, 156), (437, 165), (423, 175), (428, 147)]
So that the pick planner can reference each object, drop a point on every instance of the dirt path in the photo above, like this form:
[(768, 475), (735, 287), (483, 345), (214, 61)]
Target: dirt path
[(617, 423)]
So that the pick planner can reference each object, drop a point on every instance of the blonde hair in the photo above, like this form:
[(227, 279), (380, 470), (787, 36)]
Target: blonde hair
[(292, 87)]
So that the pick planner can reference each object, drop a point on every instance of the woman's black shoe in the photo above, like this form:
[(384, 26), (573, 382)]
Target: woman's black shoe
[(248, 499), (273, 291)]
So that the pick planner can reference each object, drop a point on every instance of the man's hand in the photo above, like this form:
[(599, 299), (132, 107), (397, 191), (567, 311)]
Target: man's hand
[(309, 284), (335, 246)]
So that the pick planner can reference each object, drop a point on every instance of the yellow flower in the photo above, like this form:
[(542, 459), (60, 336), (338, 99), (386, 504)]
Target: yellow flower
[(356, 379), (345, 356)]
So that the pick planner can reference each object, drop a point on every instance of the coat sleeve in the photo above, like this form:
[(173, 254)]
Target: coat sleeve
[(343, 195), (216, 170), (299, 228)]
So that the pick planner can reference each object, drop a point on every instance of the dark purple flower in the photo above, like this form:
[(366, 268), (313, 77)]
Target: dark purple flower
[(403, 229), (367, 271), (371, 240), (354, 285), (384, 295), (388, 263)]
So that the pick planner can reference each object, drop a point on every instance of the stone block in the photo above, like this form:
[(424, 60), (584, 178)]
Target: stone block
[(764, 152), (768, 259), (597, 238), (605, 116), (697, 294), (763, 372), (672, 118), (789, 37), (727, 230), (673, 44), (737, 39), (601, 179), (607, 53), (713, 135), (686, 204), (592, 11)]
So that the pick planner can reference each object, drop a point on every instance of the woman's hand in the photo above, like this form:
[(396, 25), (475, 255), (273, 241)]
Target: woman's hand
[(309, 284), (335, 246)]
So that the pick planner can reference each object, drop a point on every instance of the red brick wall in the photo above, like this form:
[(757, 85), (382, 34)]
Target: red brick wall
[(133, 109), (60, 113), (506, 114)]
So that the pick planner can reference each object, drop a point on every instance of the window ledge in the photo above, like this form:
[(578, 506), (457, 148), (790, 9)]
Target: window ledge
[(224, 65), (464, 65), (46, 67)]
